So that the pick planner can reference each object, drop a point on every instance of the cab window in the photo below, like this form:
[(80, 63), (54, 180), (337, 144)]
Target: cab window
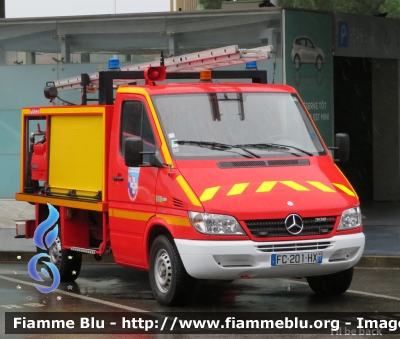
[(135, 123)]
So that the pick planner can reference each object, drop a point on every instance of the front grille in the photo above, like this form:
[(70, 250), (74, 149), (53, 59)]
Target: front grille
[(295, 247), (276, 228)]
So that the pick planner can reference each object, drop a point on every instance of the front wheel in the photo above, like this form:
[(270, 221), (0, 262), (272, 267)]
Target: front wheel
[(169, 280), (331, 284), (67, 262)]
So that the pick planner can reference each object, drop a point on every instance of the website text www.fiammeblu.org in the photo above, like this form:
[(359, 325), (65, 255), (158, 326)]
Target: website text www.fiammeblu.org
[(201, 322)]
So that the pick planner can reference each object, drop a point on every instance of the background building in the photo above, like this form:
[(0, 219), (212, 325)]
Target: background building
[(42, 8), (345, 67)]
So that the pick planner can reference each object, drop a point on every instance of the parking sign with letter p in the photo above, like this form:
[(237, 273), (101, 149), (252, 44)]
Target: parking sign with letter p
[(343, 33)]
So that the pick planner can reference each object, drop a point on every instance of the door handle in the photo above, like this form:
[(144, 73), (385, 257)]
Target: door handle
[(118, 178)]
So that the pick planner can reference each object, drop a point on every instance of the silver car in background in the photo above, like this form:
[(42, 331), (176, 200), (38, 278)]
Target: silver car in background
[(305, 52)]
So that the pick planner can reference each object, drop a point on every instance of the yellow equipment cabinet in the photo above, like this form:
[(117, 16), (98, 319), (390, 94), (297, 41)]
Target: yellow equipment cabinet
[(72, 157)]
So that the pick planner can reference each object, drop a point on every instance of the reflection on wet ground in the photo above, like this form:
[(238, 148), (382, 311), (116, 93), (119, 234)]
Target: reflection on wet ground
[(111, 288)]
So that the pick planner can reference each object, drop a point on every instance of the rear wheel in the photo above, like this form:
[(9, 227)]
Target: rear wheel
[(331, 284), (67, 262), (169, 281)]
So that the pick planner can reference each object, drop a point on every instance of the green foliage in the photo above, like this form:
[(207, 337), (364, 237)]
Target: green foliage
[(210, 4), (366, 7), (392, 7), (324, 5)]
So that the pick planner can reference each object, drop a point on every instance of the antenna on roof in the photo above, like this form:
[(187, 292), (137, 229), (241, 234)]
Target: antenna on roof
[(162, 59)]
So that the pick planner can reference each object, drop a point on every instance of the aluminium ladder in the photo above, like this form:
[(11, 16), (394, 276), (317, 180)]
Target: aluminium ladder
[(193, 62)]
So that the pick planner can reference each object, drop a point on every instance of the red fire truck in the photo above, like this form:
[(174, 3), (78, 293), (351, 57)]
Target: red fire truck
[(191, 180)]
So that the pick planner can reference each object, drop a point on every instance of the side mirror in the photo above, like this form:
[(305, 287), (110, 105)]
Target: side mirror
[(342, 147), (133, 152)]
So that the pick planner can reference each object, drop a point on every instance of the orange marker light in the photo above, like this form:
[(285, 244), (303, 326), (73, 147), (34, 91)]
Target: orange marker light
[(205, 75)]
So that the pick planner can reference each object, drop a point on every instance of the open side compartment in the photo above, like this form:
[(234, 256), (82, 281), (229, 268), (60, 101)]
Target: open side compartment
[(65, 152), (34, 153)]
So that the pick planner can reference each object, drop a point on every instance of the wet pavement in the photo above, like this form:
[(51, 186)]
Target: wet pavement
[(381, 228), (111, 288)]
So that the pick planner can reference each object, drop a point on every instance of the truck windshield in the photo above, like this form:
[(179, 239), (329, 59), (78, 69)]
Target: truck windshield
[(267, 124)]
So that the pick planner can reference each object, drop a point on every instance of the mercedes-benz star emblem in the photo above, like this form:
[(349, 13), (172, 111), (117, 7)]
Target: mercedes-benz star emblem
[(294, 224)]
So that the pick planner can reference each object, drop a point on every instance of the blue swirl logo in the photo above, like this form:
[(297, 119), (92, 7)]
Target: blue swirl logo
[(45, 235)]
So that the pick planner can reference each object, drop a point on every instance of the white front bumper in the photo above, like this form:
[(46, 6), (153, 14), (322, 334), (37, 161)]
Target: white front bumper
[(235, 259)]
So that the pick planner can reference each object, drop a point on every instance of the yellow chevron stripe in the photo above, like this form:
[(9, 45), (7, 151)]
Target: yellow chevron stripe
[(345, 189), (266, 186), (238, 188), (321, 186), (186, 188), (294, 185), (209, 193), (351, 187)]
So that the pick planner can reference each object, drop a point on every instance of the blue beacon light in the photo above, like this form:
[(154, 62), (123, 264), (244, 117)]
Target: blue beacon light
[(251, 65), (113, 64)]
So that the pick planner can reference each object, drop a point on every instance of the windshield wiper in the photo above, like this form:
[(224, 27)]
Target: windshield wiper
[(216, 146), (277, 146)]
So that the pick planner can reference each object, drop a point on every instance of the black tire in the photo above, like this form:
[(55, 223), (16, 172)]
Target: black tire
[(331, 284), (297, 62), (68, 262), (318, 62), (169, 281)]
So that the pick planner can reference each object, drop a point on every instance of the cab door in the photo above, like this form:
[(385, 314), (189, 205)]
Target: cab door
[(131, 189)]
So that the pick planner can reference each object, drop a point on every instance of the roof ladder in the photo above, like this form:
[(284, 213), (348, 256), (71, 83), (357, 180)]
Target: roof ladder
[(193, 62)]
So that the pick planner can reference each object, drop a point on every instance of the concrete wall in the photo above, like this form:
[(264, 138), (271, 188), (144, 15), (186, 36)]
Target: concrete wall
[(386, 129), (44, 8)]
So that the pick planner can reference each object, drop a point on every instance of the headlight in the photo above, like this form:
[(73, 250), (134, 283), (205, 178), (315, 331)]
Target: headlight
[(215, 224), (351, 218)]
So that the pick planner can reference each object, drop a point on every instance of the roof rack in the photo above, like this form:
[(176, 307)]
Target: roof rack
[(107, 79), (193, 62)]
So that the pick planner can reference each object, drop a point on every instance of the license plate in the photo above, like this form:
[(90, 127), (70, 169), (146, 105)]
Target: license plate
[(296, 258)]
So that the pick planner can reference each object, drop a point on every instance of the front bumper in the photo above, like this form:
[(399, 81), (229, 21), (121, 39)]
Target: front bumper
[(237, 258)]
